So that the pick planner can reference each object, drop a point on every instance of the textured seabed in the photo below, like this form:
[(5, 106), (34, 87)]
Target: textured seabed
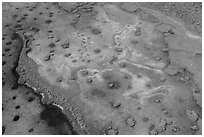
[(101, 68)]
